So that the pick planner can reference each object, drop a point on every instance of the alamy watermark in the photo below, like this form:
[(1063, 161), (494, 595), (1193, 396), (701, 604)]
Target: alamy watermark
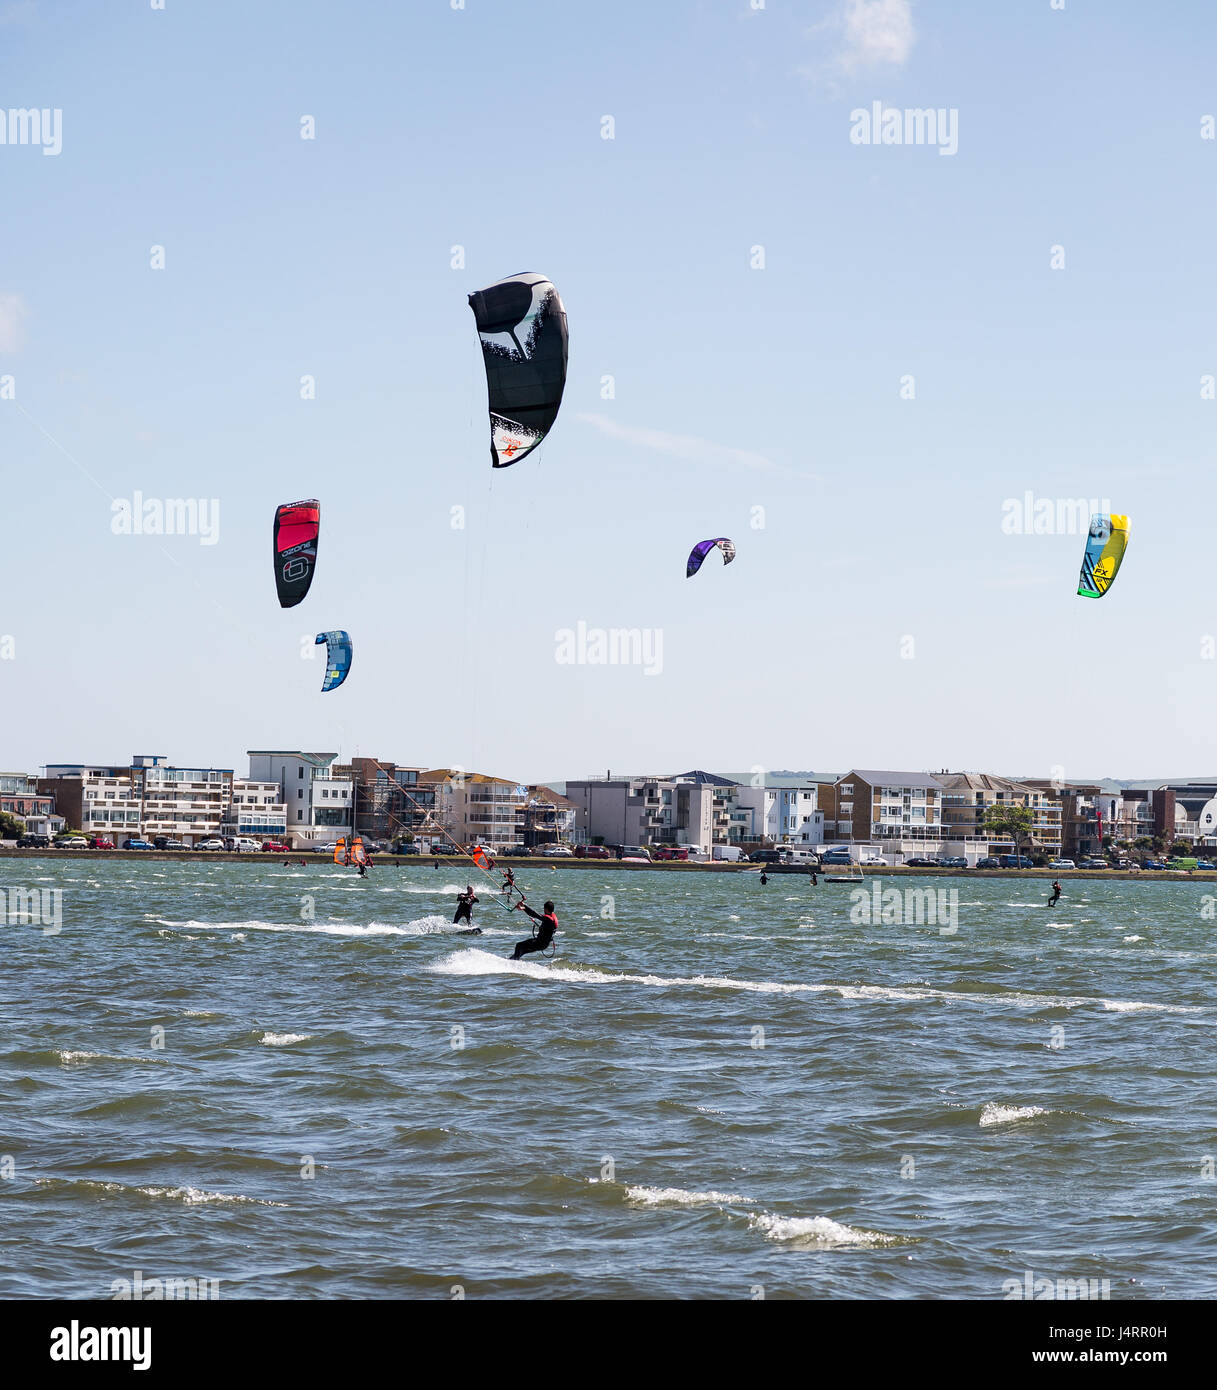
[(138, 1289), (42, 126), (170, 516), (612, 646), (33, 907), (1029, 1287), (874, 905), (1030, 515), (889, 125)]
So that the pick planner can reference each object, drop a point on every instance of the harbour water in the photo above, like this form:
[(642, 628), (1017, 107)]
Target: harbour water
[(291, 1082)]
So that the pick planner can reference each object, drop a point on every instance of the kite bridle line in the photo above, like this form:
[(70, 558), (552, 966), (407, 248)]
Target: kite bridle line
[(429, 818)]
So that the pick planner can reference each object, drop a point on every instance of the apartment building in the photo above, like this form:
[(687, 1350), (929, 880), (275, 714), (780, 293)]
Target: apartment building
[(318, 804), (899, 811), (148, 797), (20, 797), (547, 818), (388, 799), (476, 808), (657, 810), (782, 814), (967, 797)]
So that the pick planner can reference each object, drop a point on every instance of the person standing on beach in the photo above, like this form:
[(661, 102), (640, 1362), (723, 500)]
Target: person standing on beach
[(543, 934), (1056, 894)]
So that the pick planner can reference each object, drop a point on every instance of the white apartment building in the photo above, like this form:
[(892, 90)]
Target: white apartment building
[(318, 807), (257, 811)]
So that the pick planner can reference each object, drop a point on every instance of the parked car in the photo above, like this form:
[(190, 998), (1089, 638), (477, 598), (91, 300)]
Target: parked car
[(1205, 867), (72, 842), (100, 842), (1092, 864), (956, 861), (632, 852), (766, 856), (136, 844), (1153, 864), (1015, 861), (275, 847), (671, 852), (326, 849), (406, 847), (878, 859), (919, 861), (211, 844), (989, 862), (1061, 864), (553, 851), (164, 842), (28, 841), (836, 856), (442, 849), (593, 852)]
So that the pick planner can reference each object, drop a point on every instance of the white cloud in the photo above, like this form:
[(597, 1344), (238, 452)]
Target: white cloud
[(689, 447), (876, 32), (12, 315)]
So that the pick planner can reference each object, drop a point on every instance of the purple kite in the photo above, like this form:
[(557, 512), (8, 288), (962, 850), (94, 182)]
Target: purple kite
[(703, 548)]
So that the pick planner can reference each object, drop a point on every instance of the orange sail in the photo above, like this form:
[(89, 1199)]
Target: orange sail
[(340, 852)]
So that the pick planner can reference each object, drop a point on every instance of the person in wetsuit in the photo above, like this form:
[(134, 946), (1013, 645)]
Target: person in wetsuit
[(1056, 894), (509, 879), (544, 933), (464, 906)]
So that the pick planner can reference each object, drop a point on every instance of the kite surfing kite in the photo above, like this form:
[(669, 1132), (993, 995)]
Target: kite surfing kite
[(1105, 546), (296, 527), (522, 325), (337, 658), (703, 548)]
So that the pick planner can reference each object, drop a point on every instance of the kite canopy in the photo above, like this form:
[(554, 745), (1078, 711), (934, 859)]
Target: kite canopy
[(1105, 546), (338, 658), (522, 325), (296, 528), (703, 548)]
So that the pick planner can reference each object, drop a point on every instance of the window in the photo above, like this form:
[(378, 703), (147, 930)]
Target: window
[(299, 772), (299, 793)]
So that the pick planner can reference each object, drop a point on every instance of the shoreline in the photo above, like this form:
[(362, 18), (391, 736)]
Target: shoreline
[(664, 866)]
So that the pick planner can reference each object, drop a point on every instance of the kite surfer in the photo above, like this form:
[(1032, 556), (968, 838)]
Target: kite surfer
[(764, 876), (464, 906), (1056, 894), (542, 936)]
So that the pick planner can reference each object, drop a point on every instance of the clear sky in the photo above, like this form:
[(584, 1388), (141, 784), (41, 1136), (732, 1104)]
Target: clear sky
[(877, 614)]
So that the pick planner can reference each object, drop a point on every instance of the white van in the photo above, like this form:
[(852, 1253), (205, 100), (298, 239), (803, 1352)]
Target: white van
[(798, 854), (728, 854)]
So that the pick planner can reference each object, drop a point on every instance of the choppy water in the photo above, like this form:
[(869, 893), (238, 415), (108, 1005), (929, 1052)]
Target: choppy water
[(717, 1088)]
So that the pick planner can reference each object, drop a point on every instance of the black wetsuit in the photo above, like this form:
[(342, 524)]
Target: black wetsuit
[(1056, 895), (464, 908), (544, 936)]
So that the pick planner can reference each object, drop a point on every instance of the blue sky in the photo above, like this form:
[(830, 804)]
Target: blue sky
[(734, 388)]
